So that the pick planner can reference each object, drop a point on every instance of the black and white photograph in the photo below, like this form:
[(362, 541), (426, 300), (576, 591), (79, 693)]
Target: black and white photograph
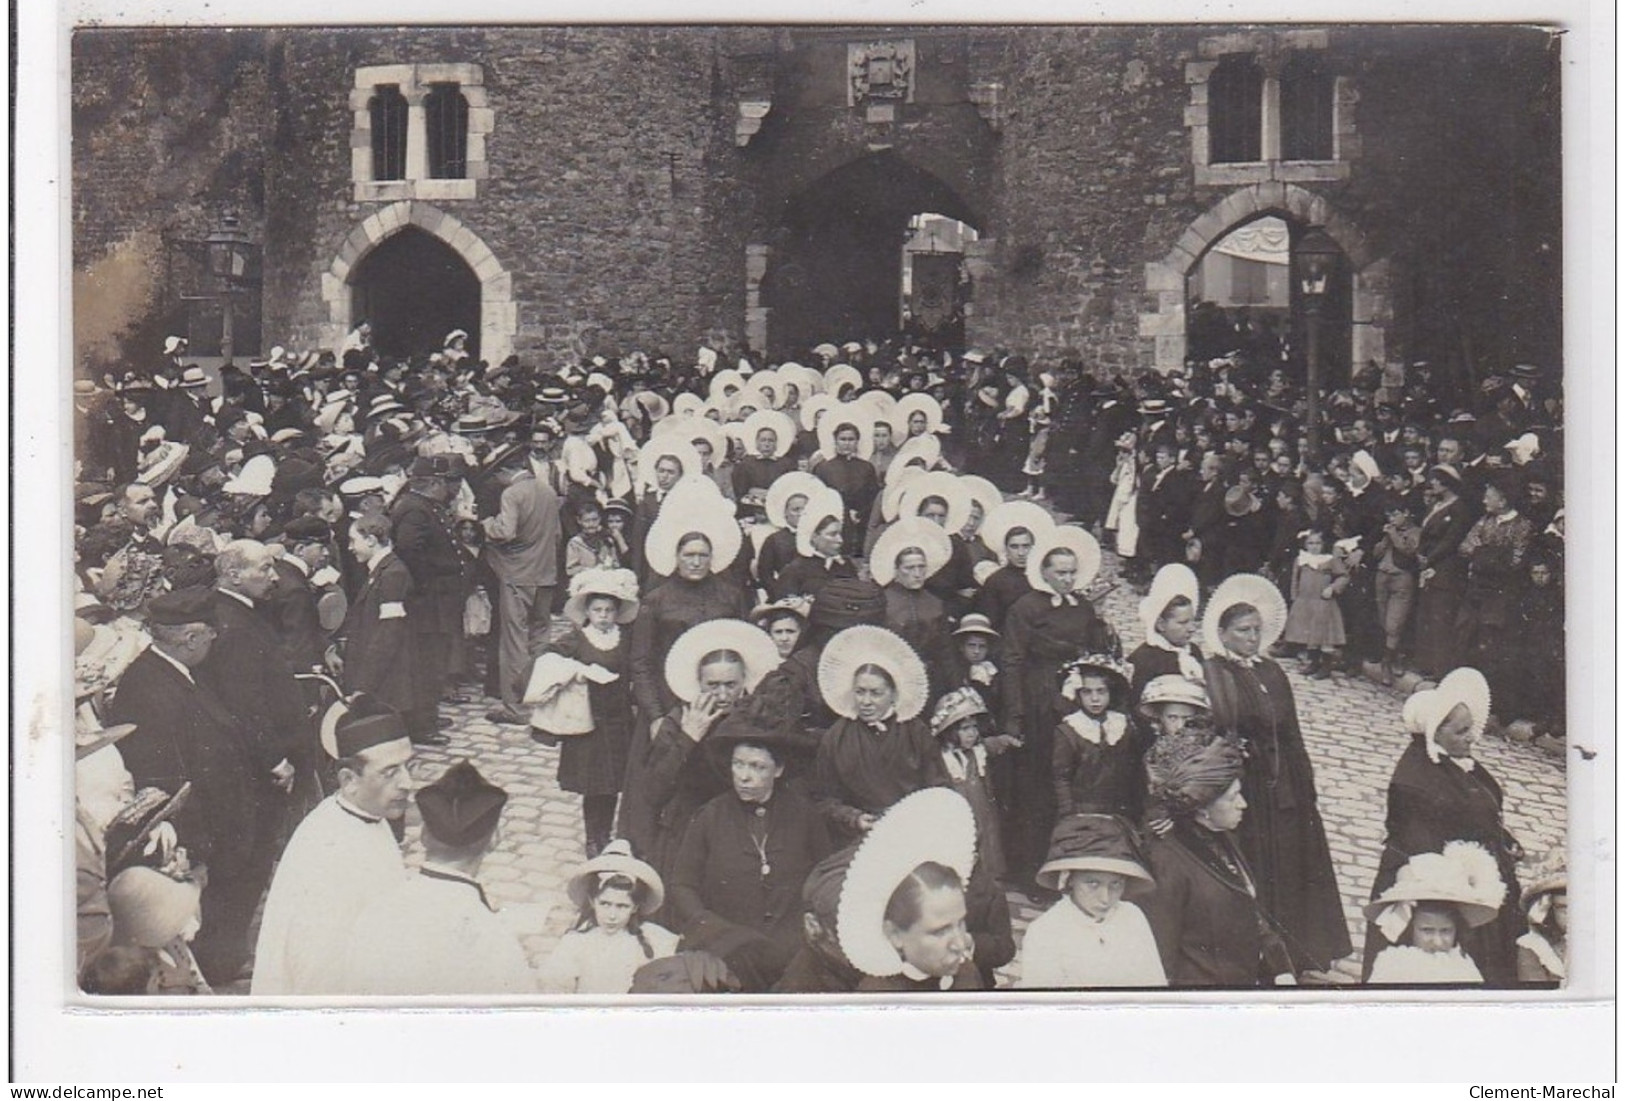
[(646, 513)]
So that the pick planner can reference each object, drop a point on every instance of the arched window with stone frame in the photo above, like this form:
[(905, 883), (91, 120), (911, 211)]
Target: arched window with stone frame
[(388, 109), (447, 118)]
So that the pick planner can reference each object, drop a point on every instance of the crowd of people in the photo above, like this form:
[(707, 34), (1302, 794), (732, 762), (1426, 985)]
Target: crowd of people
[(827, 697)]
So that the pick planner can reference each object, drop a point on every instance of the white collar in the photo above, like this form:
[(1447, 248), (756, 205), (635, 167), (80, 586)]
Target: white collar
[(246, 601), (1111, 728), (1507, 517), (914, 974), (1247, 663), (185, 672), (1058, 599)]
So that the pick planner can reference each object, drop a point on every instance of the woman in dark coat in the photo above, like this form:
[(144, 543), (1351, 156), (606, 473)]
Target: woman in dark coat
[(736, 885), (698, 589), (1439, 794), (1283, 835), (1442, 582), (1011, 529), (1045, 629), (1206, 913)]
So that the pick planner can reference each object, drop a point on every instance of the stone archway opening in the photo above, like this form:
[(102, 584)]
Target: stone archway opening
[(835, 270), (1362, 298), (497, 315), (414, 289)]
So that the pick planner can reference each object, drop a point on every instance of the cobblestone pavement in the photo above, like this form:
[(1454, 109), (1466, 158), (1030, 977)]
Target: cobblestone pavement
[(1352, 728)]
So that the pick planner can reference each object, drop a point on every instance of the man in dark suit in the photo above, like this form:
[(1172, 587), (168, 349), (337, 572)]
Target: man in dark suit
[(1207, 518), (185, 734), (292, 603), (1164, 507), (378, 641), (425, 542), (247, 669)]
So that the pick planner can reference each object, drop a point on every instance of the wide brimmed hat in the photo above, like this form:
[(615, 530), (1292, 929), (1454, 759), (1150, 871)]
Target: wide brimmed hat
[(722, 381), (765, 390), (975, 623), (937, 483), (785, 486), (1425, 711), (1000, 521), (1171, 688), (1076, 540), (807, 381), (812, 406), (783, 429), (747, 640), (157, 466), (600, 581), (884, 405), (859, 417), (935, 825), (983, 492), (91, 739), (669, 443), (712, 519), (1245, 588), (909, 532), (617, 859), (1173, 580), (779, 734), (1465, 875), (192, 378), (689, 429), (1110, 666), (842, 377), (956, 706), (821, 507), (687, 405), (1550, 873), (919, 403), (1239, 501), (866, 645), (255, 479), (1096, 843), (131, 829), (798, 606), (924, 452), (898, 479), (827, 350)]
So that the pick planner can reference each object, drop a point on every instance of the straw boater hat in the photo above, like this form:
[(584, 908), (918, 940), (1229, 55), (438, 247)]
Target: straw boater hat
[(859, 417), (983, 492), (812, 406), (866, 645), (1171, 688), (1173, 580), (1000, 521), (920, 403), (617, 859), (841, 378), (798, 606), (822, 507), (935, 825), (254, 480), (1549, 874), (1465, 874), (783, 429), (910, 532), (747, 640), (1244, 588), (597, 581), (674, 444), (1426, 711), (975, 623), (712, 519), (938, 483), (1076, 540), (927, 449), (1096, 843), (795, 483)]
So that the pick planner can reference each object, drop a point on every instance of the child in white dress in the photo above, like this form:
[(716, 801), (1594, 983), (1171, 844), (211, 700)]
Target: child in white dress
[(614, 893), (1435, 897)]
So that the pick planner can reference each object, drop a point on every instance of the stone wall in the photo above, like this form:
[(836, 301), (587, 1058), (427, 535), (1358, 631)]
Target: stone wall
[(170, 129)]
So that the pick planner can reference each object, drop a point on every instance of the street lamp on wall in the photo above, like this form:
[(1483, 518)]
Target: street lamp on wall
[(1315, 256), (228, 249)]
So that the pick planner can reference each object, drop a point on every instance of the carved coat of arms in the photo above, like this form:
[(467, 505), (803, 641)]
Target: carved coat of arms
[(880, 71)]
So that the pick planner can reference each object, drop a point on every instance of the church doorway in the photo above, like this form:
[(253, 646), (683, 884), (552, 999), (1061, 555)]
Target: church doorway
[(414, 289)]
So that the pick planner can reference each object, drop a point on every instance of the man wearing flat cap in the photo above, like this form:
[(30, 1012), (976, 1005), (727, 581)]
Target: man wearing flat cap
[(184, 733), (425, 542), (342, 856), (437, 932)]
